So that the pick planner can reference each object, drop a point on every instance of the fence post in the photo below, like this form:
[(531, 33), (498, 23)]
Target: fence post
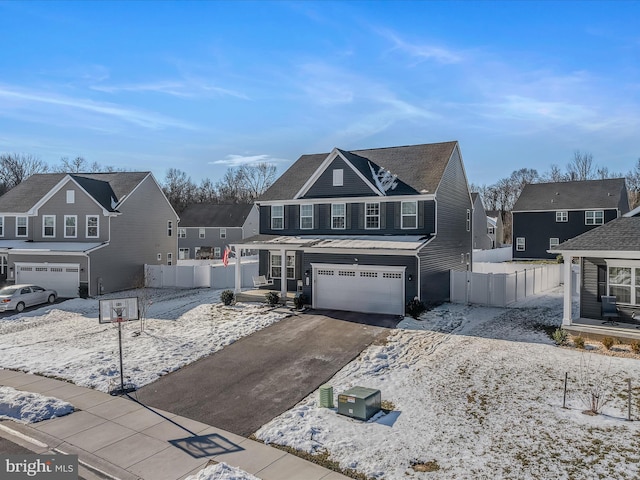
[(564, 398)]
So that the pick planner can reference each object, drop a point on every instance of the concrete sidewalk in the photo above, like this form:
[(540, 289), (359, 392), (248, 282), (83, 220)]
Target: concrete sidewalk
[(124, 439)]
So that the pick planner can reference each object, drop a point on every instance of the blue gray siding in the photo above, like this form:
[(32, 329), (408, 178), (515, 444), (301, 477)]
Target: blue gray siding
[(390, 217), (353, 185), (452, 240), (538, 227)]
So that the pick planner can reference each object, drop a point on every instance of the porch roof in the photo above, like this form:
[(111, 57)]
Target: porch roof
[(23, 246), (321, 242)]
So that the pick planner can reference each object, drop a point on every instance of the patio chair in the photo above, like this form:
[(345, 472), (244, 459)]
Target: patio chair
[(609, 310)]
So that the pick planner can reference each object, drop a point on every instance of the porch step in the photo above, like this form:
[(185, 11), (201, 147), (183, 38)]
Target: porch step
[(621, 331)]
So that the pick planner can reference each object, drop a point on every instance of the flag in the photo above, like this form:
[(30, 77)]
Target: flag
[(225, 256)]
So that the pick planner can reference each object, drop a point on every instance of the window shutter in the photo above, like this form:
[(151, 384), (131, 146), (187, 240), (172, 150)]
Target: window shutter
[(361, 214), (317, 221), (296, 217), (397, 213), (420, 214), (347, 214), (602, 281), (383, 215)]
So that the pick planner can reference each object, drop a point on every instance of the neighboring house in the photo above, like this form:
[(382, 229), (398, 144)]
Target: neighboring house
[(367, 230), (495, 228), (481, 238), (205, 230), (547, 214), (92, 232), (609, 257)]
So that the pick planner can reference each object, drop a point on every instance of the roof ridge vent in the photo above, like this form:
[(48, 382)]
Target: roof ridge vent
[(552, 200)]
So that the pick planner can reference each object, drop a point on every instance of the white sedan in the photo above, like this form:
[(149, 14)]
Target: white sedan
[(18, 297)]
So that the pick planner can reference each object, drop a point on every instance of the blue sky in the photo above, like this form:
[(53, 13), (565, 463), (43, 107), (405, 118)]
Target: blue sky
[(202, 86)]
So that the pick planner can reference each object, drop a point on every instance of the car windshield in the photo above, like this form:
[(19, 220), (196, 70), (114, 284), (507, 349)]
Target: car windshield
[(8, 291)]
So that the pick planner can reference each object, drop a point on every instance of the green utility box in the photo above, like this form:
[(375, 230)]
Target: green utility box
[(360, 402), (326, 396)]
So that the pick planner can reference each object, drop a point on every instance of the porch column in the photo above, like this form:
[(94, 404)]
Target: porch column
[(568, 288), (283, 276), (238, 272)]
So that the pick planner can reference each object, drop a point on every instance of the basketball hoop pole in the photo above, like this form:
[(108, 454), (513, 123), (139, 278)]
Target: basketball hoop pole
[(118, 311)]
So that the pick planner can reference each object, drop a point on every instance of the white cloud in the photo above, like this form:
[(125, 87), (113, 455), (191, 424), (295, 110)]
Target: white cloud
[(422, 52), (184, 89), (239, 160), (25, 99)]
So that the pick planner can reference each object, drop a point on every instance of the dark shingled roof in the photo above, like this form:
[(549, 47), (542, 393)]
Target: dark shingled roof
[(418, 167), (621, 234), (579, 195), (101, 186), (215, 215)]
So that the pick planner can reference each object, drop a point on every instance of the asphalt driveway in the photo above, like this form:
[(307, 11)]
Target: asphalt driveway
[(246, 384)]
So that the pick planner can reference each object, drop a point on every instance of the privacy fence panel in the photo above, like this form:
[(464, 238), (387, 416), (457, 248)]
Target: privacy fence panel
[(502, 289), (196, 276)]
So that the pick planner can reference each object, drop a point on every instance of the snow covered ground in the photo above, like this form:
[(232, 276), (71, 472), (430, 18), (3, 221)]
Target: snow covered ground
[(221, 471), (28, 407), (66, 341), (477, 393)]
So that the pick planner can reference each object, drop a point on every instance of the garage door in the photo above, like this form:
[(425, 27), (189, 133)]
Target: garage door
[(359, 288), (64, 278)]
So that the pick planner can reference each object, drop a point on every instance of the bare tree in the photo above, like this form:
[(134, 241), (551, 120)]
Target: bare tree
[(17, 167), (256, 179), (179, 189), (633, 185), (230, 188), (581, 167), (206, 192)]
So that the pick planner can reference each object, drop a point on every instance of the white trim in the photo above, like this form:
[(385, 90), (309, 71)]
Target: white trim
[(326, 200), (33, 211), (86, 223), (566, 216), (632, 213), (402, 215), (365, 215), (64, 226), (594, 218), (71, 197), (307, 216), (564, 210), (344, 216), (272, 217), (26, 226), (335, 153), (283, 264), (44, 226), (181, 231), (524, 244), (613, 254), (338, 177), (359, 251), (2, 226)]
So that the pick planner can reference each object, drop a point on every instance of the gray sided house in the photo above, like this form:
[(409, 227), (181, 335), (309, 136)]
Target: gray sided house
[(609, 257), (205, 230), (481, 238), (547, 214), (495, 228), (92, 232), (367, 230)]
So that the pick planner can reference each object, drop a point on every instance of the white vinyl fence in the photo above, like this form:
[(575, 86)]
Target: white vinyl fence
[(502, 289), (194, 276)]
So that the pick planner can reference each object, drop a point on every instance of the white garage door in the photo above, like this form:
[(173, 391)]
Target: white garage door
[(64, 278), (359, 288)]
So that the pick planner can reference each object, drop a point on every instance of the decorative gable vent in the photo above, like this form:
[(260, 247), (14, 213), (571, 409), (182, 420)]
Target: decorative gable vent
[(384, 179)]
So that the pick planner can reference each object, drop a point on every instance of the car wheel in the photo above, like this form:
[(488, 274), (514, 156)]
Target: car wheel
[(52, 298), (19, 307)]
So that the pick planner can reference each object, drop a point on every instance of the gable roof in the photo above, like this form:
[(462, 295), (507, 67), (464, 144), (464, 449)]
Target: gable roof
[(577, 195), (102, 187), (419, 168), (215, 215), (621, 234)]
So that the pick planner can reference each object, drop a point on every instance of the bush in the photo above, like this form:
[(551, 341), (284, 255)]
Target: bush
[(608, 342), (635, 346), (578, 342), (559, 336), (227, 297), (415, 308), (273, 298), (300, 300)]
